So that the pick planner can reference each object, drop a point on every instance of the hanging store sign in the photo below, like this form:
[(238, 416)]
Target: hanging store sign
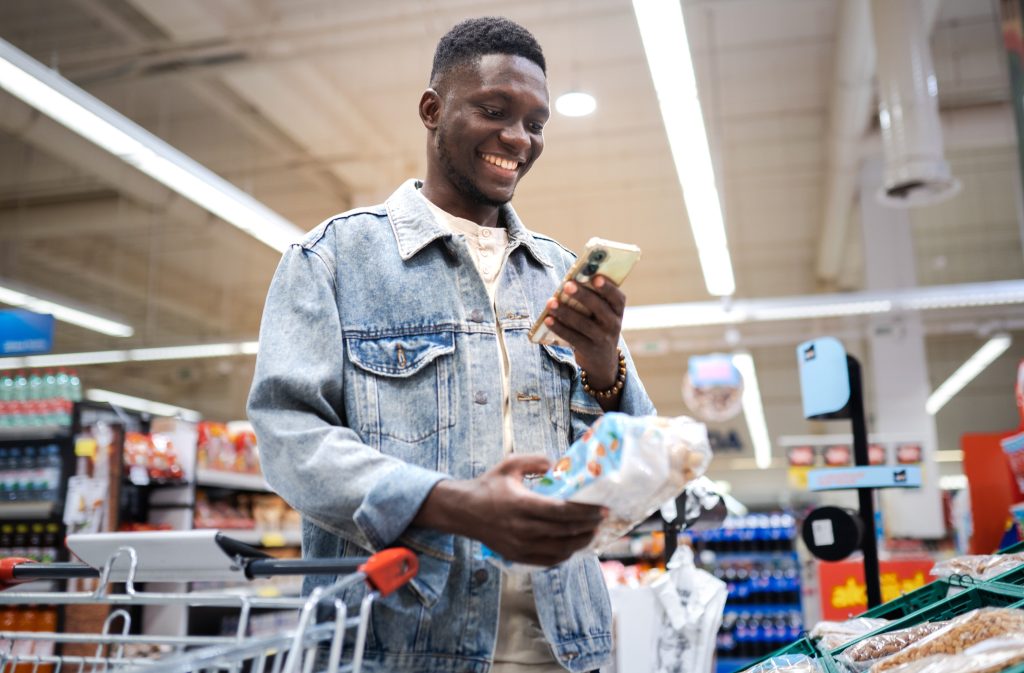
[(882, 476), (25, 333)]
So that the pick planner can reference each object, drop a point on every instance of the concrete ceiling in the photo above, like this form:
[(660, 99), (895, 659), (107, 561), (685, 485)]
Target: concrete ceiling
[(310, 105)]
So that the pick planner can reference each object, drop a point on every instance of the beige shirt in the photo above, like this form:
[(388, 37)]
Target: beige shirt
[(521, 646)]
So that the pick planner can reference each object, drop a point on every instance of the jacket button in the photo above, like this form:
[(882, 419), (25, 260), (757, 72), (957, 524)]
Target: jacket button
[(480, 397), (480, 576), (476, 315)]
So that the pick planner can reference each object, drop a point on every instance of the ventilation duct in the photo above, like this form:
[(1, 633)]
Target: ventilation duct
[(916, 172)]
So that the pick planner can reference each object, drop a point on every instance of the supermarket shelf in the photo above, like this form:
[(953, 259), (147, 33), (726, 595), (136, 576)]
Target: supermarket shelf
[(34, 431), (264, 539), (233, 480), (26, 510)]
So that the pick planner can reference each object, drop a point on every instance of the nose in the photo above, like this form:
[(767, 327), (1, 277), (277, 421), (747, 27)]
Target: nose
[(515, 137)]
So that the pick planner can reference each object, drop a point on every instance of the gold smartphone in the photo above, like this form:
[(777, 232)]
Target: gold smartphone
[(612, 260)]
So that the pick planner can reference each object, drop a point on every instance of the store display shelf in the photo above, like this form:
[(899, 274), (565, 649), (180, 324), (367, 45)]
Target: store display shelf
[(26, 510), (34, 431), (232, 480)]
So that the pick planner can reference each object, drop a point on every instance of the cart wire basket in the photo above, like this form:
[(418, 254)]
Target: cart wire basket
[(323, 640)]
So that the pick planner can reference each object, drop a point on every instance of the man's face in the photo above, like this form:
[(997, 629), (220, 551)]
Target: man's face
[(491, 127)]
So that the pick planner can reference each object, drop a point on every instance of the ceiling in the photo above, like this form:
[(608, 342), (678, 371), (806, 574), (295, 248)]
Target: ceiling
[(310, 106)]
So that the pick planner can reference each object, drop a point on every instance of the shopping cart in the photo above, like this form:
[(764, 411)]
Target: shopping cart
[(120, 560)]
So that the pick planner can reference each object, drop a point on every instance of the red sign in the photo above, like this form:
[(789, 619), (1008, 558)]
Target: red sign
[(844, 594), (908, 454), (800, 456), (837, 455)]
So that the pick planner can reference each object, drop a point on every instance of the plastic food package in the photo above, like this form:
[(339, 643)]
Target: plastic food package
[(966, 630), (978, 566), (836, 634), (787, 663), (863, 655), (631, 465), (988, 656), (692, 602)]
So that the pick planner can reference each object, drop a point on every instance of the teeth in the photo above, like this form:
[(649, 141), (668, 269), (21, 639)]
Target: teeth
[(507, 164)]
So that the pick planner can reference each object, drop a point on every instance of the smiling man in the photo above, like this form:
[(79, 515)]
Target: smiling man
[(398, 400)]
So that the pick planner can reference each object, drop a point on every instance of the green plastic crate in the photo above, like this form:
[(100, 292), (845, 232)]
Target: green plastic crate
[(981, 596), (1012, 581), (802, 646), (915, 600)]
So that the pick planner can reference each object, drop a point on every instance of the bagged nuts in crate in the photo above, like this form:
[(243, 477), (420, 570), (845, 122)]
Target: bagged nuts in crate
[(988, 656), (830, 635), (861, 656), (631, 465), (978, 566), (958, 634)]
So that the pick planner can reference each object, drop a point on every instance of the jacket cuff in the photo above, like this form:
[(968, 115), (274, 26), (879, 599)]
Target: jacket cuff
[(385, 518), (390, 506)]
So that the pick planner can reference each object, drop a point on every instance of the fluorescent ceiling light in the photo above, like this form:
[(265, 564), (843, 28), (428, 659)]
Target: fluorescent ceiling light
[(141, 404), (663, 32), (133, 355), (966, 373), (936, 297), (753, 410), (575, 104), (64, 313), (59, 99)]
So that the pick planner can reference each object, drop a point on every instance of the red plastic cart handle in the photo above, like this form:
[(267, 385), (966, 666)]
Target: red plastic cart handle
[(7, 565), (389, 569)]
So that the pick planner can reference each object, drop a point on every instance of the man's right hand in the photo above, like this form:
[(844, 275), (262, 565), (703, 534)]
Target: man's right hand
[(498, 510)]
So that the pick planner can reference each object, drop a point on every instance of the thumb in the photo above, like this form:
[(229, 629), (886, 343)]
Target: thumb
[(520, 465)]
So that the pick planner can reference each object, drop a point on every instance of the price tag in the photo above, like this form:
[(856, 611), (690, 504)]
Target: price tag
[(85, 447), (272, 540)]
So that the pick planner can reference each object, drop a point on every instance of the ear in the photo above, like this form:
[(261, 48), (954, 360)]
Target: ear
[(430, 109)]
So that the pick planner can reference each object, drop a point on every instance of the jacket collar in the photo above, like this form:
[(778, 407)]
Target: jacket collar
[(415, 226)]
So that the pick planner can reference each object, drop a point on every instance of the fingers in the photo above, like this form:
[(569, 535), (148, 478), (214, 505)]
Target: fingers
[(594, 313), (520, 465)]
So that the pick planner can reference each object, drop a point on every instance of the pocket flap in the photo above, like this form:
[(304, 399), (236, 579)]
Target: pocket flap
[(398, 356), (561, 354)]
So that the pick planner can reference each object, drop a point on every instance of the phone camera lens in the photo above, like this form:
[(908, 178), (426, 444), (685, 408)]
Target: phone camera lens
[(598, 256), (591, 268)]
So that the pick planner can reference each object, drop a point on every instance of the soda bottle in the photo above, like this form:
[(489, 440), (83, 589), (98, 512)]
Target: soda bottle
[(62, 384), (74, 387)]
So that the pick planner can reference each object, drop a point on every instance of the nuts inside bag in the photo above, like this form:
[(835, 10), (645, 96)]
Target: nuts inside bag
[(966, 630), (631, 465)]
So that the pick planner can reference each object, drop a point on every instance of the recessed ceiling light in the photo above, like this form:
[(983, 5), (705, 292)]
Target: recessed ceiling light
[(575, 104)]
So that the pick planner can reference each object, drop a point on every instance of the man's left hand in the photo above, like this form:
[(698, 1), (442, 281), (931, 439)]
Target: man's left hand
[(594, 338)]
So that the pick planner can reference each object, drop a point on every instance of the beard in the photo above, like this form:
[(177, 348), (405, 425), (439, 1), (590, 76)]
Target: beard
[(462, 181)]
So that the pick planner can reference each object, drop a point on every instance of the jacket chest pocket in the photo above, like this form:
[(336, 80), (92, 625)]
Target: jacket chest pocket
[(404, 386)]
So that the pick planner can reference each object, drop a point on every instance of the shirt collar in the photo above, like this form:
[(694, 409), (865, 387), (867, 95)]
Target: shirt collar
[(416, 227)]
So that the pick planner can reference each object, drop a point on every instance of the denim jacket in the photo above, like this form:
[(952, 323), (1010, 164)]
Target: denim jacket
[(378, 376)]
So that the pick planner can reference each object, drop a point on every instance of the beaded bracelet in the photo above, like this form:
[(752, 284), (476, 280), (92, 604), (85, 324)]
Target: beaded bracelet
[(620, 381)]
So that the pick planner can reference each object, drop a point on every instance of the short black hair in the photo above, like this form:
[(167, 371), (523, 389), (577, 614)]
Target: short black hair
[(468, 40)]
